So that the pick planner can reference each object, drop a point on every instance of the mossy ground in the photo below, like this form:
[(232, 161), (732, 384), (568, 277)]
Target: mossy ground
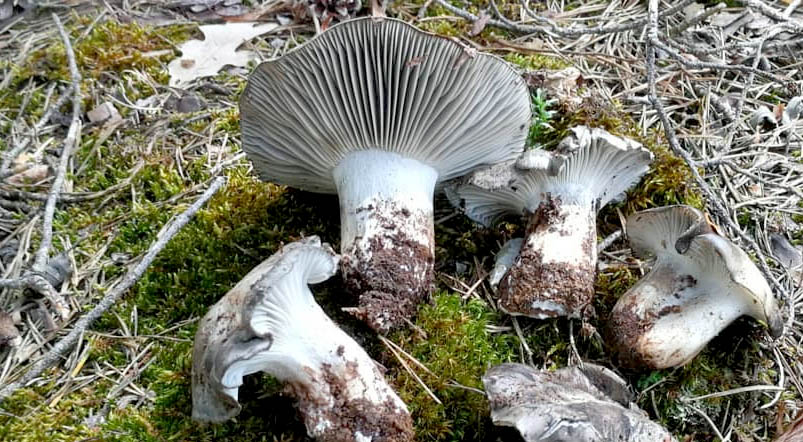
[(456, 337)]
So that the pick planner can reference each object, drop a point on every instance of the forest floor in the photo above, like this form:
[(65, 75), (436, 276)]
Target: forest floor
[(705, 86)]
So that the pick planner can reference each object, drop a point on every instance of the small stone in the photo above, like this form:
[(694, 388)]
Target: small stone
[(277, 43), (103, 112)]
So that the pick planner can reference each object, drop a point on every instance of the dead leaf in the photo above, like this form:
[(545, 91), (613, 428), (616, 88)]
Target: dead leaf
[(204, 58)]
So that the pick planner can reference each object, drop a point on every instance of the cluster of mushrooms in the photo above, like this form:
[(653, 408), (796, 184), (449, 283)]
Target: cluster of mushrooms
[(385, 115)]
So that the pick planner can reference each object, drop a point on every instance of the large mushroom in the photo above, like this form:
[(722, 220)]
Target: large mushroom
[(699, 284), (270, 322), (575, 404), (379, 112), (555, 270)]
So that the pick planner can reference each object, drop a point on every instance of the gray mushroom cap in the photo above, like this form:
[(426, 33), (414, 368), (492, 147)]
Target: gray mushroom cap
[(573, 404), (590, 166), (382, 84)]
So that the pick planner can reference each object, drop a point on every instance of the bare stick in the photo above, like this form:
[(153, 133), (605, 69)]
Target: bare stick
[(162, 238), (40, 260), (719, 208)]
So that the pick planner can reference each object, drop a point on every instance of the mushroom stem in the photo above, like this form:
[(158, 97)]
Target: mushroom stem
[(664, 309), (386, 216), (555, 271)]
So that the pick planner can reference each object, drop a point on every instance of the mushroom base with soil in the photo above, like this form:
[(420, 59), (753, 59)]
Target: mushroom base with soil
[(555, 271), (386, 214)]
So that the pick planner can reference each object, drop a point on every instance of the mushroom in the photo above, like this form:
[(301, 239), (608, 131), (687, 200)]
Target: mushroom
[(380, 112), (699, 284), (555, 270), (588, 403), (270, 322)]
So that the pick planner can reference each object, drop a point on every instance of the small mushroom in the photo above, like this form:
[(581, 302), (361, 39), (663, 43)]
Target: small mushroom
[(270, 322), (573, 404), (379, 113), (699, 284), (555, 271)]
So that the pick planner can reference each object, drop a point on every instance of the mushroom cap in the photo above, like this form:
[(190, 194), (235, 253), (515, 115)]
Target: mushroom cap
[(235, 337), (374, 83), (683, 236), (590, 167), (577, 404)]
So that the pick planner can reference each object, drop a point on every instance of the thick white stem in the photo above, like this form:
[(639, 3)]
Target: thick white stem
[(669, 316), (386, 233), (556, 268)]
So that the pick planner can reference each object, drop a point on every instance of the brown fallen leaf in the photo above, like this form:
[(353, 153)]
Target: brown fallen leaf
[(31, 175)]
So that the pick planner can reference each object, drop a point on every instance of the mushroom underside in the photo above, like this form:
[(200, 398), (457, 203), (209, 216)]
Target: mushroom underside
[(568, 405)]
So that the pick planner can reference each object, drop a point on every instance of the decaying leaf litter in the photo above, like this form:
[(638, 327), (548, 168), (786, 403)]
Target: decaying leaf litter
[(715, 84)]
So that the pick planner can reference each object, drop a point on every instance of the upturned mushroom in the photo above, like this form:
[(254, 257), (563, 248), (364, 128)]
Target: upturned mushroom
[(270, 322), (573, 404), (699, 284), (380, 112), (555, 270)]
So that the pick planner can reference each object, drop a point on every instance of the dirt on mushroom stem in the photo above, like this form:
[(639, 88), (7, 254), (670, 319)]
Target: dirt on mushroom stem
[(344, 414), (555, 272), (387, 234), (391, 273)]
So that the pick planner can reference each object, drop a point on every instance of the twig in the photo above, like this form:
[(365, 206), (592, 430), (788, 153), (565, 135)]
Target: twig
[(410, 371), (42, 253), (773, 14), (16, 150), (609, 240), (746, 389), (131, 278)]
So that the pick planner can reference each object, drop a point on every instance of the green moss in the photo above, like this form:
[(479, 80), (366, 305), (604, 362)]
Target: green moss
[(536, 61), (455, 346)]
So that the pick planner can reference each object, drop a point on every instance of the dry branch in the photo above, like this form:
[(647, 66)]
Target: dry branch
[(73, 133)]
